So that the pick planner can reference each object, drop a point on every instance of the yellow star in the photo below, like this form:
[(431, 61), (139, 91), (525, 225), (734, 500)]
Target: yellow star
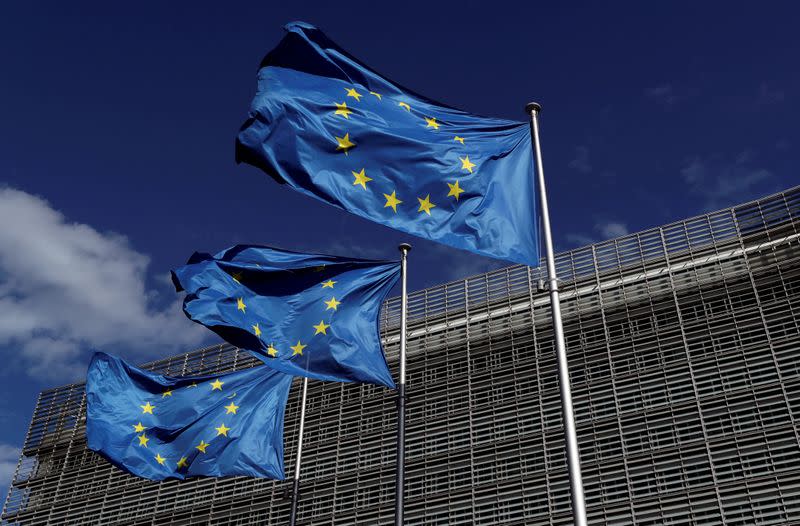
[(432, 123), (202, 446), (351, 92), (194, 384), (425, 205), (240, 304), (376, 94), (147, 408), (160, 459), (272, 351), (321, 328), (361, 178), (139, 427), (222, 430), (166, 393), (344, 143), (216, 385), (182, 463), (455, 190), (319, 268), (257, 330), (404, 105), (332, 304), (231, 408), (298, 349), (392, 200), (466, 164), (236, 276), (328, 284), (343, 110), (459, 139), (143, 440)]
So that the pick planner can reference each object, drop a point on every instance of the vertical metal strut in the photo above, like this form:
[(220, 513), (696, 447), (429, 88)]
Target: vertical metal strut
[(296, 483), (570, 435), (401, 392)]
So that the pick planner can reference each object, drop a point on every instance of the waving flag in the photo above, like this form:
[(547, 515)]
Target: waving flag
[(303, 314), (327, 125), (158, 427)]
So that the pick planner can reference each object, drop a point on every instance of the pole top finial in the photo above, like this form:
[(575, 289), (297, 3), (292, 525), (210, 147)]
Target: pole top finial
[(533, 106), (404, 247)]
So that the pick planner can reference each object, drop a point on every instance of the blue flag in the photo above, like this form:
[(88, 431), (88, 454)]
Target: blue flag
[(158, 427), (302, 314), (330, 127)]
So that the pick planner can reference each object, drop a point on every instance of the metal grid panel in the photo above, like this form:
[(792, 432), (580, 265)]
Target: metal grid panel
[(683, 343)]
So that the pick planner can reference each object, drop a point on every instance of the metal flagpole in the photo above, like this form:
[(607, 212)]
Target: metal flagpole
[(573, 455), (401, 393), (296, 484)]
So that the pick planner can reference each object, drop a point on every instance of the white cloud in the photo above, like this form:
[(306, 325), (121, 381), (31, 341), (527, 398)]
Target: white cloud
[(723, 182), (663, 94), (579, 240), (604, 230), (460, 264), (66, 288), (769, 95), (9, 456), (612, 229), (581, 161)]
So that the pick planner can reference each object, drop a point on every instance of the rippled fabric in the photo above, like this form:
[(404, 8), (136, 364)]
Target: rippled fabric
[(158, 427), (330, 127), (303, 314)]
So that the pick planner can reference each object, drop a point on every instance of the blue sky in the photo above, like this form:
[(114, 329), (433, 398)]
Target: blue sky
[(117, 124)]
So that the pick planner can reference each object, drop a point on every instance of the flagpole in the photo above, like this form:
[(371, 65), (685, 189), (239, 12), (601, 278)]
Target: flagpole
[(296, 483), (401, 393), (570, 435)]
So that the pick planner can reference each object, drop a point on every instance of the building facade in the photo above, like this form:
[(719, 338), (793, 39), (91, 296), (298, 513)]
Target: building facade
[(684, 349)]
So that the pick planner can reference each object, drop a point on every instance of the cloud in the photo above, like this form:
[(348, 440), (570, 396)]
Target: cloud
[(768, 95), (9, 456), (459, 263), (579, 240), (612, 229), (347, 245), (721, 182), (603, 230), (581, 161), (663, 94), (66, 289)]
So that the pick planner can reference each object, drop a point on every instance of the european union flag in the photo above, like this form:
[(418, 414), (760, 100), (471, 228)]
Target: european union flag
[(330, 127), (302, 314), (158, 427)]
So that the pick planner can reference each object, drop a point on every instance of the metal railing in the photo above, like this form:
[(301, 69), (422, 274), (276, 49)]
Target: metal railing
[(683, 346)]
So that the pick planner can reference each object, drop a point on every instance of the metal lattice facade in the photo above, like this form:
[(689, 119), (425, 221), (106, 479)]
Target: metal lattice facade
[(684, 351)]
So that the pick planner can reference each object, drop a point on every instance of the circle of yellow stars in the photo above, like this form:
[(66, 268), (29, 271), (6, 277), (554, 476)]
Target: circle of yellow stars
[(345, 144), (140, 430), (330, 304)]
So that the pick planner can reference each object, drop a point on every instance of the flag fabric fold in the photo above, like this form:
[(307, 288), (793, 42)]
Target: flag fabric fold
[(159, 427), (332, 128), (303, 314)]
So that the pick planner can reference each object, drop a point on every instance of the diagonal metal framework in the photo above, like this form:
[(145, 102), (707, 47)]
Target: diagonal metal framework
[(684, 347)]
